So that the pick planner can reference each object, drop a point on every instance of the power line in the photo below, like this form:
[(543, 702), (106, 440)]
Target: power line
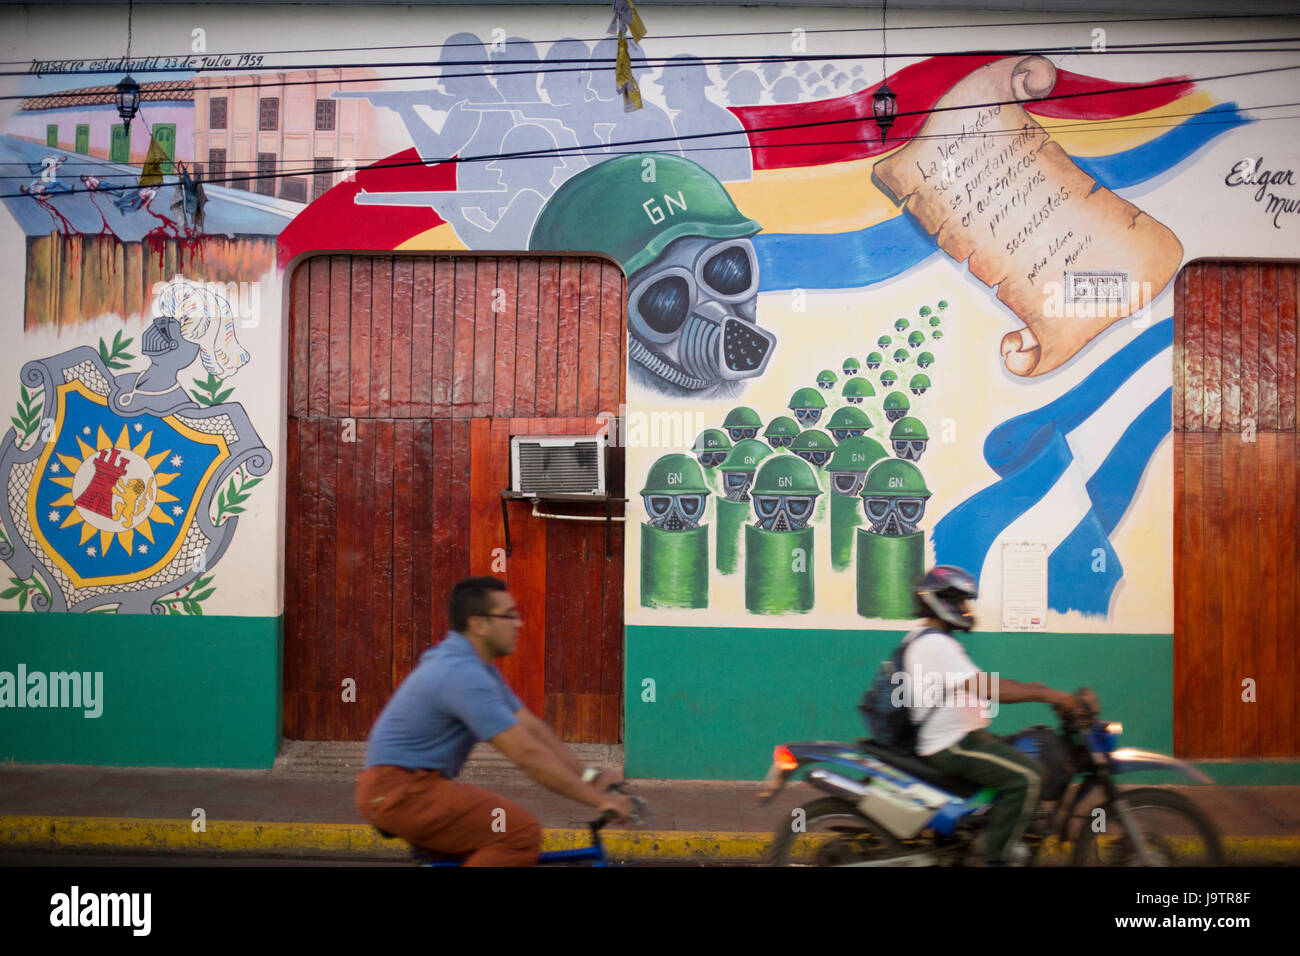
[(113, 66), (561, 151), (1091, 21)]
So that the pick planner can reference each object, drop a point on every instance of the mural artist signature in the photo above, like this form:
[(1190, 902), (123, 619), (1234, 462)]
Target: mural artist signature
[(1251, 172)]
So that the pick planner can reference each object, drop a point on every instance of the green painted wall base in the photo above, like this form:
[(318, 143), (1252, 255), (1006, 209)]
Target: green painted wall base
[(177, 691), (724, 697)]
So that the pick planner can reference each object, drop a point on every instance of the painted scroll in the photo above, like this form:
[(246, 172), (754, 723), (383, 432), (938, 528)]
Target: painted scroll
[(1068, 257)]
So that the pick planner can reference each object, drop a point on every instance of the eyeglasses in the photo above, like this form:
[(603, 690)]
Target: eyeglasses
[(513, 615)]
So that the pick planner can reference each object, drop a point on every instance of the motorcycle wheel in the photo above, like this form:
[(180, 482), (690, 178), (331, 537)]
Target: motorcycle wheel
[(834, 833), (1173, 830)]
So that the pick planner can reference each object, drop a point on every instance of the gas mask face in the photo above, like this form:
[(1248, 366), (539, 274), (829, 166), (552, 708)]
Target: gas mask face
[(814, 456), (674, 512), (739, 434), (919, 390), (892, 516), (848, 482), (850, 371), (807, 417), (873, 365), (691, 314), (894, 414), (909, 448), (735, 484), (783, 512), (839, 434), (711, 459), (780, 441), (854, 399)]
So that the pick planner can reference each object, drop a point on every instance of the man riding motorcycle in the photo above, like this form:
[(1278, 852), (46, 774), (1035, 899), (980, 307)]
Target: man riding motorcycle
[(951, 736)]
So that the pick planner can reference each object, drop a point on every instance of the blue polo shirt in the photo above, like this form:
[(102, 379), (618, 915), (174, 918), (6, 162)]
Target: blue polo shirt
[(451, 701)]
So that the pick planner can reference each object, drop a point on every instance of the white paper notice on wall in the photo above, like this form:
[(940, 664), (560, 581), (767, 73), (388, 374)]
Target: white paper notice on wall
[(1024, 586)]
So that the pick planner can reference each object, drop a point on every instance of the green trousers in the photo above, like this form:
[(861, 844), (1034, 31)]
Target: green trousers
[(982, 758)]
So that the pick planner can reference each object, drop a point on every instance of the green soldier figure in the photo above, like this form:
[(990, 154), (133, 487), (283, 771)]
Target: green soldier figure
[(781, 431), (733, 509), (896, 406), (779, 545), (807, 405), (891, 554), (742, 422), (924, 360), (674, 544), (848, 473), (874, 360), (919, 383), (826, 379), (909, 437), (916, 338), (848, 422), (856, 389), (851, 366)]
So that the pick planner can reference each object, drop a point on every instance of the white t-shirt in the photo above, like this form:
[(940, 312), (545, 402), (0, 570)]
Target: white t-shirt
[(937, 665)]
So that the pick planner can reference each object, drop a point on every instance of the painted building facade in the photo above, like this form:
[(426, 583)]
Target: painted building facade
[(831, 359)]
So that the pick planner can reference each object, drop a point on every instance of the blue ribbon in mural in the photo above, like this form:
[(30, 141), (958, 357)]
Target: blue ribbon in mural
[(1066, 459)]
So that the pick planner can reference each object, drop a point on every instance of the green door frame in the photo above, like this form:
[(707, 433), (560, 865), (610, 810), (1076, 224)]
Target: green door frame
[(120, 147), (52, 135), (165, 135), (83, 139)]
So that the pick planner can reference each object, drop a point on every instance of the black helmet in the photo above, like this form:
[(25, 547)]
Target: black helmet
[(939, 593)]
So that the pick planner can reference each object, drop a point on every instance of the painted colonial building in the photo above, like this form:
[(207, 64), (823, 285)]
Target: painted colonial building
[(774, 356)]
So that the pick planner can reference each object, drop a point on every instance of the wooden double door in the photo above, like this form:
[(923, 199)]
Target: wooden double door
[(1236, 537), (408, 375)]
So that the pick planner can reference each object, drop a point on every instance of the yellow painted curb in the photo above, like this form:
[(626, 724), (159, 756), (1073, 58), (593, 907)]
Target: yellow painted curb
[(227, 836)]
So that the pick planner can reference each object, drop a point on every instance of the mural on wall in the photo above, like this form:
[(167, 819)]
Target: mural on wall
[(811, 291), (123, 490)]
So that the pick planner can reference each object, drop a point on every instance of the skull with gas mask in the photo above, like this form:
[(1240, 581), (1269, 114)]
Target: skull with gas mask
[(738, 470), (894, 497), (785, 492), (675, 493), (693, 273)]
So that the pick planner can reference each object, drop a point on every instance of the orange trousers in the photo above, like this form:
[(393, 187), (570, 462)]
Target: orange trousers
[(425, 808)]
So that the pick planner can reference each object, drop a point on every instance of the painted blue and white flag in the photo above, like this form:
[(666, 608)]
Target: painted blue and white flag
[(1069, 472)]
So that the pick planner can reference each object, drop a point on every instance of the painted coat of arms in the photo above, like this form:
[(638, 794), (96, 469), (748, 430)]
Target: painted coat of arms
[(124, 489)]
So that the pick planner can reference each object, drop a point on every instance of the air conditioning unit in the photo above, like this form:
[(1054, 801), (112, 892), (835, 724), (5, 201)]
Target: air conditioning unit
[(557, 464)]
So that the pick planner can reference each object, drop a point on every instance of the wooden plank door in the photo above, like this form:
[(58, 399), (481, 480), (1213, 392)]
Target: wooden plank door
[(1236, 536), (407, 377)]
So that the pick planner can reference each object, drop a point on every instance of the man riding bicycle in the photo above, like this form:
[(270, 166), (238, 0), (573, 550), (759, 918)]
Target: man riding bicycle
[(454, 698), (953, 739)]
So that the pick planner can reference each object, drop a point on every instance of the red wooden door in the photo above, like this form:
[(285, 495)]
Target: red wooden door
[(1235, 531), (407, 377)]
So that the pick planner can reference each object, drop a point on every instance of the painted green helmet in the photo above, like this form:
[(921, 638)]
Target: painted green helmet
[(942, 305), (826, 379), (884, 341), (851, 366), (900, 324), (807, 405), (856, 389), (901, 356), (609, 208), (896, 406), (785, 492), (814, 446), (674, 475), (925, 359), (937, 334), (916, 338), (888, 377), (935, 321), (712, 447), (745, 455), (742, 422), (874, 360), (847, 422), (925, 310), (919, 383), (909, 437), (895, 478), (781, 431), (786, 475), (857, 453)]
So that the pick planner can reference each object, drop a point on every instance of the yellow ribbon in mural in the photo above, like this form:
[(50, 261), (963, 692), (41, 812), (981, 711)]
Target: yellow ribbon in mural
[(626, 20), (151, 174)]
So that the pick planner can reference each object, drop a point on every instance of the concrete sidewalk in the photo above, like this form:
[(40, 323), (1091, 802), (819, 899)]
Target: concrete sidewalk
[(305, 807)]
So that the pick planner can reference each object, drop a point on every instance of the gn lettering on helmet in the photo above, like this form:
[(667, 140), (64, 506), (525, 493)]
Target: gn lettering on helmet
[(655, 212), (675, 478), (895, 482)]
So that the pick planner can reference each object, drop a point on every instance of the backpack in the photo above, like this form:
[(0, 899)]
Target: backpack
[(890, 726)]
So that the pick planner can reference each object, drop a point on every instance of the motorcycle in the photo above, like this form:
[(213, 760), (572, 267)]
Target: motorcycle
[(885, 808)]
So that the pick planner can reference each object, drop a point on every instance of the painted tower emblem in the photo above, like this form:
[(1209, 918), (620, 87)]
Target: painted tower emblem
[(110, 500)]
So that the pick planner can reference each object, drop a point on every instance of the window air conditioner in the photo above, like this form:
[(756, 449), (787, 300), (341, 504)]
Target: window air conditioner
[(557, 464)]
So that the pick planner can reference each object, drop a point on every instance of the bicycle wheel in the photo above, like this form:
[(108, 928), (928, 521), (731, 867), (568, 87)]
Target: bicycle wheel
[(832, 832), (1174, 832)]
